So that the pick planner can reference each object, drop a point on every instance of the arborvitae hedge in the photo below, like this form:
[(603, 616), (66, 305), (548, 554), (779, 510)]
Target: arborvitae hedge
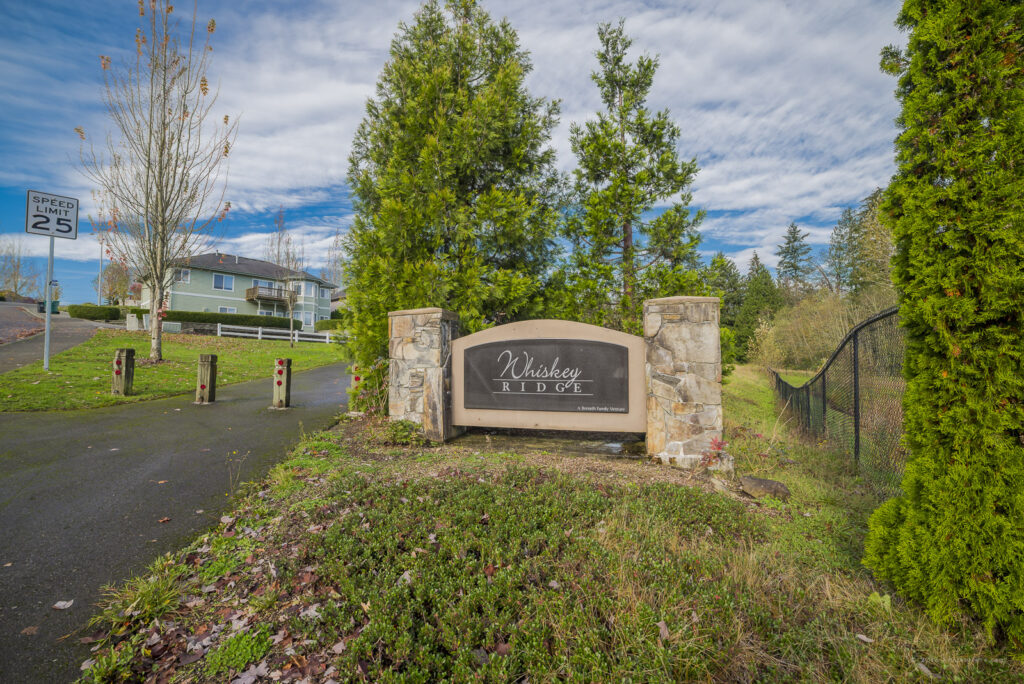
[(955, 540), (226, 318), (93, 312)]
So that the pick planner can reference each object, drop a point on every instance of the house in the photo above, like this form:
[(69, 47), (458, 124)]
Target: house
[(226, 283)]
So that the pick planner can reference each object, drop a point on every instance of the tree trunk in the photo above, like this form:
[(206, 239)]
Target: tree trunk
[(155, 327)]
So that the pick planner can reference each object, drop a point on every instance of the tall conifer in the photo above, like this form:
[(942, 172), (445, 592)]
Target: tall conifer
[(453, 183), (628, 162), (954, 540)]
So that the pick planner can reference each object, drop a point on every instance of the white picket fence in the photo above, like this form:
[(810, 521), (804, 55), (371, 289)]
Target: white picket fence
[(261, 333)]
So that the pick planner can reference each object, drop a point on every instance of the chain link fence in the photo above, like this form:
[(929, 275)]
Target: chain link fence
[(855, 402)]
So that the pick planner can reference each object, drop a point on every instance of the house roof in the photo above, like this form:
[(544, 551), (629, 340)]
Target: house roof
[(231, 263)]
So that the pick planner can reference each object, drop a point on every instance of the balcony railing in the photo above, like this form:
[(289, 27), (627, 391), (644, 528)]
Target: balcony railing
[(271, 294)]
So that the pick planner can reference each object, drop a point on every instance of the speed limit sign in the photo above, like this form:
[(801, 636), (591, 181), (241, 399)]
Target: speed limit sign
[(51, 215)]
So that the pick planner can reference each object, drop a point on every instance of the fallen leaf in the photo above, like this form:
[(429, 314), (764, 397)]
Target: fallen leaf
[(406, 578), (925, 671), (29, 631), (663, 630), (554, 585), (87, 664), (164, 520), (338, 648), (502, 649), (7, 565), (365, 607), (161, 481), (865, 639), (63, 605)]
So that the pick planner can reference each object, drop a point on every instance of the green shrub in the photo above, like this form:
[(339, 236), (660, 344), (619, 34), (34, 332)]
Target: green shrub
[(226, 318), (235, 654), (333, 324), (955, 540), (336, 315), (94, 313)]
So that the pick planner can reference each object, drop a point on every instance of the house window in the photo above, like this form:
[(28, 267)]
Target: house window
[(325, 293), (256, 282), (297, 288), (266, 313), (182, 275), (321, 318), (226, 309), (307, 318), (223, 282), (310, 290)]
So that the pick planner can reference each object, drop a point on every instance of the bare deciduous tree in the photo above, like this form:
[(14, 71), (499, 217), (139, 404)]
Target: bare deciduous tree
[(289, 258), (161, 175), (18, 275)]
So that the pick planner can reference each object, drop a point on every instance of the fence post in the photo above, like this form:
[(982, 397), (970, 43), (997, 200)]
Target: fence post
[(206, 380), (218, 330), (124, 372), (824, 405), (856, 399), (282, 383), (259, 332)]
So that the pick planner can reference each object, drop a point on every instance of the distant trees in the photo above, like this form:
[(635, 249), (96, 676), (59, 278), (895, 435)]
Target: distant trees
[(725, 281), (160, 177), (795, 263), (114, 285), (18, 274), (761, 300), (627, 162), (288, 257), (455, 191), (954, 540)]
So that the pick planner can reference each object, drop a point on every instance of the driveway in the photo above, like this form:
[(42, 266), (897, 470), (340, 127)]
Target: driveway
[(82, 494), (14, 320)]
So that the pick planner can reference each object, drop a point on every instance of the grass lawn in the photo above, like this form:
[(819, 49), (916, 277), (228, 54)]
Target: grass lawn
[(80, 376), (360, 558), (796, 378)]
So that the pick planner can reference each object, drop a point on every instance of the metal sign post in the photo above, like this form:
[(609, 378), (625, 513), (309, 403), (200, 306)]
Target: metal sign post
[(57, 217)]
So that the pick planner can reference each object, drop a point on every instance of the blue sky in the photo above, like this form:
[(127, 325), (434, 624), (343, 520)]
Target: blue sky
[(780, 101)]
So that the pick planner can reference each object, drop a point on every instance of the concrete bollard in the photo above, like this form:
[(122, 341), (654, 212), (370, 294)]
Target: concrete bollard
[(282, 383), (206, 382), (123, 372)]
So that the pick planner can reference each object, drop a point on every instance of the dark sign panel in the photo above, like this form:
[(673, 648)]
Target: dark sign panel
[(548, 375)]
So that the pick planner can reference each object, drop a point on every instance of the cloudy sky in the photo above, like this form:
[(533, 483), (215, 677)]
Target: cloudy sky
[(781, 102)]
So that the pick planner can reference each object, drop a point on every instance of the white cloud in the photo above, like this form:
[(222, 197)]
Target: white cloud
[(781, 101)]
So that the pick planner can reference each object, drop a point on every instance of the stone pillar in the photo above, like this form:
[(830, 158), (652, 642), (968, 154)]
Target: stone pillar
[(420, 374), (684, 378)]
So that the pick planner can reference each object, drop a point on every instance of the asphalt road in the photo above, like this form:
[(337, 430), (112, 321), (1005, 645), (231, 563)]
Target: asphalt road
[(65, 333), (82, 494)]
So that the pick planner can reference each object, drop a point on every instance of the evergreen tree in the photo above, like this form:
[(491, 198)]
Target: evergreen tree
[(455, 193), (725, 280), (954, 540), (795, 264), (628, 162), (873, 248), (840, 260), (760, 301)]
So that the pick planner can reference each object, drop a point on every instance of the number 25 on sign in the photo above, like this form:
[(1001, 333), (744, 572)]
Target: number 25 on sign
[(51, 215)]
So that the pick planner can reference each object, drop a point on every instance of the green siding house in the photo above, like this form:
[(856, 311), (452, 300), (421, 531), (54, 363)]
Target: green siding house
[(226, 283)]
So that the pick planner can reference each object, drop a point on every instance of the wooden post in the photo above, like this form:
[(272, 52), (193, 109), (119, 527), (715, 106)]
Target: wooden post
[(206, 382), (124, 372), (282, 383)]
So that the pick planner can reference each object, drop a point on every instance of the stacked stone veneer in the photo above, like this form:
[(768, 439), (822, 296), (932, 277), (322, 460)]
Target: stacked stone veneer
[(420, 380), (684, 378)]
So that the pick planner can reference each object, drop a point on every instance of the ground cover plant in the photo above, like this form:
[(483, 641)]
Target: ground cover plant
[(365, 558), (80, 376)]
